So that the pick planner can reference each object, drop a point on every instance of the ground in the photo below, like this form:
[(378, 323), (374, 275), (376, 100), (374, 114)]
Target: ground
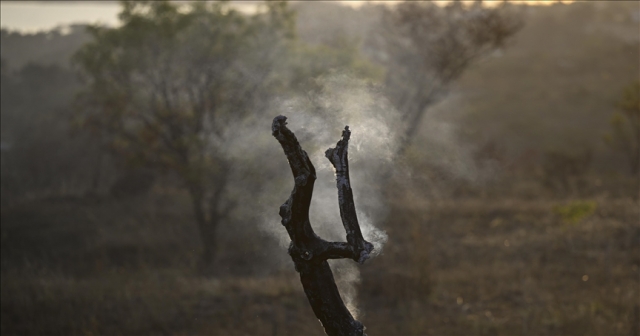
[(466, 265)]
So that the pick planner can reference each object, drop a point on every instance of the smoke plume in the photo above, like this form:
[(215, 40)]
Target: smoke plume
[(318, 119)]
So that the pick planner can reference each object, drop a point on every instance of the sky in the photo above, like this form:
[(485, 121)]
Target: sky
[(33, 16)]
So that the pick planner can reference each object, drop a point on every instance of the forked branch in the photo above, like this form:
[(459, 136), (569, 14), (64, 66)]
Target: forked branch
[(310, 252), (340, 161)]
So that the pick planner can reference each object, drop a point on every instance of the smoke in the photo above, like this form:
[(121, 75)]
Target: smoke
[(441, 159), (318, 119), (441, 147)]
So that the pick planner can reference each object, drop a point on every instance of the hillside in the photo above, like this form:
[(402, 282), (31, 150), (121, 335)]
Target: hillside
[(555, 87)]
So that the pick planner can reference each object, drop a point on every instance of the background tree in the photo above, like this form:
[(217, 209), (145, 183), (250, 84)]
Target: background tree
[(164, 88), (625, 133), (161, 89), (426, 47)]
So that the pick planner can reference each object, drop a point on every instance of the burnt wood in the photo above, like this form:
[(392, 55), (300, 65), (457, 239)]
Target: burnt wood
[(310, 252)]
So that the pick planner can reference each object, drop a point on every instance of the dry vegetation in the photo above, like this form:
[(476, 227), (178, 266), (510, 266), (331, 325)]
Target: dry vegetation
[(548, 244), (466, 265), (509, 267)]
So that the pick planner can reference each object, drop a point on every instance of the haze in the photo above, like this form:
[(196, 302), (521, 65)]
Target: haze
[(34, 16)]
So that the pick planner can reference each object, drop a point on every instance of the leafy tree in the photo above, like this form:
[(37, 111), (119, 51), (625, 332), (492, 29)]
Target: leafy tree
[(625, 133), (162, 88), (427, 47)]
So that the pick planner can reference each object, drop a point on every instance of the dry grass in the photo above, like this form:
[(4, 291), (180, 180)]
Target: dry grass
[(473, 266), (511, 267), (153, 303)]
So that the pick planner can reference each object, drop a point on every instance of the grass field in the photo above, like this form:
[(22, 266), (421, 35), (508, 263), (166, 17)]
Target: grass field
[(465, 266)]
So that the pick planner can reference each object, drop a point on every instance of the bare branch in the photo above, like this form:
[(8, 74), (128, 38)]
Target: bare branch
[(308, 251), (339, 159), (295, 211)]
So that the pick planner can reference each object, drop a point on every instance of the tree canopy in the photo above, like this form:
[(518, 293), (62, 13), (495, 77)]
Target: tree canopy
[(162, 89), (427, 47)]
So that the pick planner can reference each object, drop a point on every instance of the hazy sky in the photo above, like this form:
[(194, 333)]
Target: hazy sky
[(32, 16)]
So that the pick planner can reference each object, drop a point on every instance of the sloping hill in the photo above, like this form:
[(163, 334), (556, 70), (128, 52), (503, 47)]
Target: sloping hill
[(556, 85)]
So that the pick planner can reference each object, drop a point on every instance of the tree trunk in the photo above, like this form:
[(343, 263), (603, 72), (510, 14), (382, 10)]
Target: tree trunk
[(209, 235), (207, 227), (414, 120), (97, 173), (635, 156), (310, 252)]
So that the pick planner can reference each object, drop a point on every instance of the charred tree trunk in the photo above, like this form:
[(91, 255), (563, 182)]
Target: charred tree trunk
[(310, 252)]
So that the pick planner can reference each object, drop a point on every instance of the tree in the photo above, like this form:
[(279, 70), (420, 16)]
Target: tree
[(310, 252), (427, 47), (625, 133), (161, 88)]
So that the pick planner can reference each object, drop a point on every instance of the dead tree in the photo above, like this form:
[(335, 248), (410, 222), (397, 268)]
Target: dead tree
[(310, 252)]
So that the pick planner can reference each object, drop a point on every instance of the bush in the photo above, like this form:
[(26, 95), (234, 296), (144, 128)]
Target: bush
[(575, 211)]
